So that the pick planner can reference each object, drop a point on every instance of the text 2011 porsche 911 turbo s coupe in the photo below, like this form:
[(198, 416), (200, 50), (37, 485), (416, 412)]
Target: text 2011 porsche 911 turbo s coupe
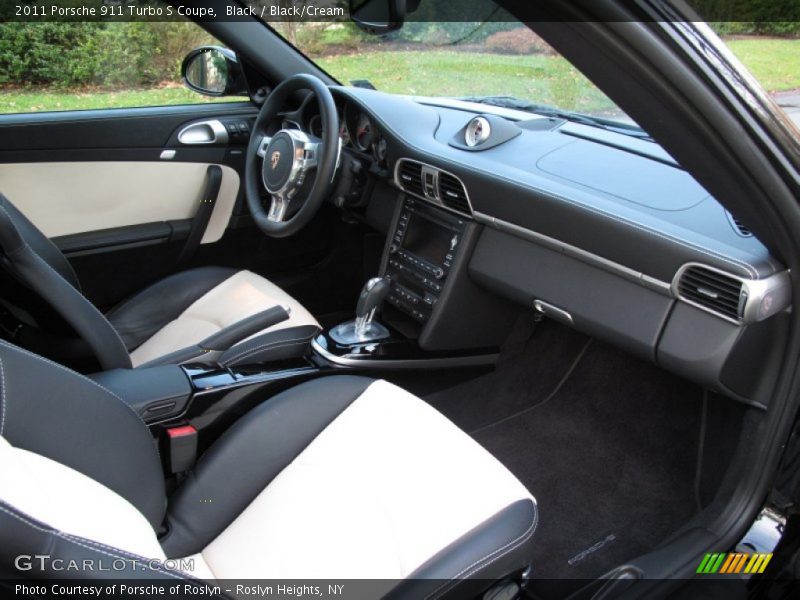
[(456, 338)]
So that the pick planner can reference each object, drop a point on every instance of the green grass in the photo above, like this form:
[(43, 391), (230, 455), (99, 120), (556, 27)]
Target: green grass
[(539, 78), (775, 63), (24, 101)]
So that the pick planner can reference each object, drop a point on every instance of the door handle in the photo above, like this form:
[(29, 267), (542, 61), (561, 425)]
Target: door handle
[(204, 132)]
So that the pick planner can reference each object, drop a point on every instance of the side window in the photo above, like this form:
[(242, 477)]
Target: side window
[(94, 65)]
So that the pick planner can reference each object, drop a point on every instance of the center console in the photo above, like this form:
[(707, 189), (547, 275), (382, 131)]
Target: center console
[(421, 255), (427, 311)]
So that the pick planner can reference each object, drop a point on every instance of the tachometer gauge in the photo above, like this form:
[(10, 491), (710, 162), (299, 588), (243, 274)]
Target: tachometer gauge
[(363, 137)]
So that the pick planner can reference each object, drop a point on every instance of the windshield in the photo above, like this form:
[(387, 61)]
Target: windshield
[(494, 56)]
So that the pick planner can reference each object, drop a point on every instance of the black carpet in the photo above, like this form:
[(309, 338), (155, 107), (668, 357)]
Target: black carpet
[(605, 442), (525, 375)]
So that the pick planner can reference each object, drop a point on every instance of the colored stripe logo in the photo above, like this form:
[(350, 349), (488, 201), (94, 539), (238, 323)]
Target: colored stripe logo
[(733, 562)]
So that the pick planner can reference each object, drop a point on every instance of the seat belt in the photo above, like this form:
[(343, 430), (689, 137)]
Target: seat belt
[(203, 215)]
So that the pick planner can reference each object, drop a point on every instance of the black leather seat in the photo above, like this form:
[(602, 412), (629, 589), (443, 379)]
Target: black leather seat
[(157, 323), (340, 477)]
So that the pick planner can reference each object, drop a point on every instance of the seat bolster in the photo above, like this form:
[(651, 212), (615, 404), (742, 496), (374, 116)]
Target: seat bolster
[(28, 539), (140, 316), (66, 417), (249, 456), (491, 551)]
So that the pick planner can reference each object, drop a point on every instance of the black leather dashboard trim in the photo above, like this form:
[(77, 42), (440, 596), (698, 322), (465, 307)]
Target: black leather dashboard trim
[(504, 183)]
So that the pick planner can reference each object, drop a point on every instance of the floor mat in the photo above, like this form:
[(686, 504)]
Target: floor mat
[(607, 443), (525, 375)]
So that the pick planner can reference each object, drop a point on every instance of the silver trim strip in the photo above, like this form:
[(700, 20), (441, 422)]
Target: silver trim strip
[(574, 252), (436, 200), (422, 363), (761, 298)]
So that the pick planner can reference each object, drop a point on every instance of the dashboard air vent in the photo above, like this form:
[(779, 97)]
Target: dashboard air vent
[(410, 177), (719, 293), (452, 193), (740, 227)]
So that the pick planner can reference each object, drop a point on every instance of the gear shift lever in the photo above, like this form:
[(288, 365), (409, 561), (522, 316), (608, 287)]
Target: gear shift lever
[(364, 328), (372, 294)]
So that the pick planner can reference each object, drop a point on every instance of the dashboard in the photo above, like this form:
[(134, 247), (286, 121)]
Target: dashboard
[(597, 229)]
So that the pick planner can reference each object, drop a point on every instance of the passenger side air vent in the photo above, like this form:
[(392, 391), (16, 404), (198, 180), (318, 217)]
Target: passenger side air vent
[(452, 193), (712, 290), (409, 176)]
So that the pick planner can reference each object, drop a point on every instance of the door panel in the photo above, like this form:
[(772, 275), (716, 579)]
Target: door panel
[(95, 182), (66, 198), (109, 128)]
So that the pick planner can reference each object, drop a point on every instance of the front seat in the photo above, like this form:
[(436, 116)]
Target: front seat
[(156, 324), (342, 477)]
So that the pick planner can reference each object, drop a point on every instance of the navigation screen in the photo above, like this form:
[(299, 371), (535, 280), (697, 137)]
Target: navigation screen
[(426, 239)]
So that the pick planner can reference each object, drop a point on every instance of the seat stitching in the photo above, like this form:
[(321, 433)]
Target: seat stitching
[(2, 397), (291, 342), (77, 540), (495, 555), (144, 562), (73, 373)]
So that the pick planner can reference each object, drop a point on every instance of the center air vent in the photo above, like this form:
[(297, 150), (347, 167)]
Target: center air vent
[(712, 290), (452, 193), (409, 175), (432, 184)]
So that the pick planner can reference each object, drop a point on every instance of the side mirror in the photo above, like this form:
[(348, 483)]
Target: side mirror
[(213, 71), (378, 16)]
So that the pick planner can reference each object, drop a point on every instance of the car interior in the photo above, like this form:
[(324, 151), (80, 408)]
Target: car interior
[(336, 332)]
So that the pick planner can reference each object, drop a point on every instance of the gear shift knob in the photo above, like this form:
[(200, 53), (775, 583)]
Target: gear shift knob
[(372, 294), (364, 329)]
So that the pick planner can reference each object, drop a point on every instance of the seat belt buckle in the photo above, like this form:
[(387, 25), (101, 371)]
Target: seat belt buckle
[(181, 448)]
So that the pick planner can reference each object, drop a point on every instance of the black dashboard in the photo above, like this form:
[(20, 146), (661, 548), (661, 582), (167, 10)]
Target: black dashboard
[(598, 229)]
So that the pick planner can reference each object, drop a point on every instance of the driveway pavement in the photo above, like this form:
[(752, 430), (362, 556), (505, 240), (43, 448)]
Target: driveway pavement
[(790, 102)]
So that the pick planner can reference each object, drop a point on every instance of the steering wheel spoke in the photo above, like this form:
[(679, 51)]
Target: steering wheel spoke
[(278, 208), (263, 143)]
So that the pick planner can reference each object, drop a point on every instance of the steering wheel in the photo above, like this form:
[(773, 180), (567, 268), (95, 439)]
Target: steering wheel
[(281, 162)]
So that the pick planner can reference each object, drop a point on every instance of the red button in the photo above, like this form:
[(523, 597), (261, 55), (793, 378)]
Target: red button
[(183, 431)]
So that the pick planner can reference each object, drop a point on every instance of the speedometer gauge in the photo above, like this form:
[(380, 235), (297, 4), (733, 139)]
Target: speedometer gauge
[(363, 137)]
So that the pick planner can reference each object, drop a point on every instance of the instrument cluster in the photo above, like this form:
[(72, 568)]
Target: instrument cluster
[(356, 130)]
